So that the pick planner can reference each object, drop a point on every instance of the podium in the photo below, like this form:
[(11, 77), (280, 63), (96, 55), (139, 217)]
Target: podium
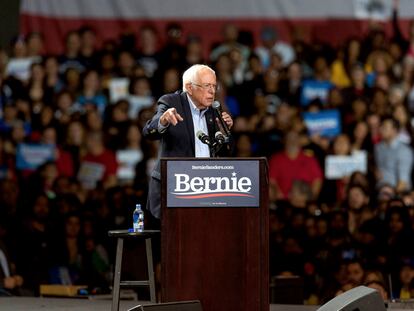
[(214, 237)]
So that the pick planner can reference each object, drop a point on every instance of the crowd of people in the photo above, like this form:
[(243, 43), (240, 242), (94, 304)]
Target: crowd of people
[(73, 163)]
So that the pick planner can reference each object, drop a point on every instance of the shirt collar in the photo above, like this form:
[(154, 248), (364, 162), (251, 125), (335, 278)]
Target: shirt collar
[(391, 144), (194, 108), (394, 142)]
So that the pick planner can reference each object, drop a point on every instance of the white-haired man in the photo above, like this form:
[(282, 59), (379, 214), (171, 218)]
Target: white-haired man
[(179, 117)]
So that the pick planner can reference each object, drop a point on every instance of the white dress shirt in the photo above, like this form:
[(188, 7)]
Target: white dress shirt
[(200, 124)]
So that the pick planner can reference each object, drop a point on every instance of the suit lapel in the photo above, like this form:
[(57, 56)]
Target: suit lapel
[(188, 119), (211, 125)]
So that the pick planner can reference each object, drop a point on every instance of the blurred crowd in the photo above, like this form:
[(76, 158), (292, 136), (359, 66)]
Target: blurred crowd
[(73, 164)]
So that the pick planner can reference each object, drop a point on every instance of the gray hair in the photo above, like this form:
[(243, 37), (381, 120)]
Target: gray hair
[(191, 74)]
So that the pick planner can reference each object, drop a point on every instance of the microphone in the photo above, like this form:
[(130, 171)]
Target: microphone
[(205, 139), (219, 137), (217, 108)]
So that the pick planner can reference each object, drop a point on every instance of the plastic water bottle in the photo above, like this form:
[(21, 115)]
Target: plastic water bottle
[(138, 218)]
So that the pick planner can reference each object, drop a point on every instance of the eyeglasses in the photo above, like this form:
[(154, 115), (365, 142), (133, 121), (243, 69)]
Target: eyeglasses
[(207, 86)]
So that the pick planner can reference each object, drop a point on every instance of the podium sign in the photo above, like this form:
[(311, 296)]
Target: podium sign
[(222, 184), (215, 232)]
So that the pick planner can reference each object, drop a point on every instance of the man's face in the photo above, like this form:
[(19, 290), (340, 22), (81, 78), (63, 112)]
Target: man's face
[(388, 132), (355, 273), (203, 90)]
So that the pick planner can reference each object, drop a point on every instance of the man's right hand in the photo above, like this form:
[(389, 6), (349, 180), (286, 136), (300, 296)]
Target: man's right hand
[(170, 116), (19, 280), (9, 282)]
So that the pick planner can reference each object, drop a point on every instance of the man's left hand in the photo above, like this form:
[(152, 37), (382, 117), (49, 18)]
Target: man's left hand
[(226, 117)]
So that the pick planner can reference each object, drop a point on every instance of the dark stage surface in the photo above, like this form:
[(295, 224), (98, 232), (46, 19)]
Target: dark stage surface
[(65, 304)]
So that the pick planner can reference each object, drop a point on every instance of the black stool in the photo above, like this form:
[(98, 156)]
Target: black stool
[(121, 235)]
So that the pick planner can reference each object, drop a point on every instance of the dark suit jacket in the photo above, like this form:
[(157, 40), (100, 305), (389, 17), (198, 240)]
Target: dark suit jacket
[(176, 141)]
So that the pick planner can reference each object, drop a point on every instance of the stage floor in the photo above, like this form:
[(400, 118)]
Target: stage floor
[(73, 304), (60, 304)]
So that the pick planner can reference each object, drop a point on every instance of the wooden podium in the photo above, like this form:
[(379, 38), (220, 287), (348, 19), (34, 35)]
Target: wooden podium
[(212, 249)]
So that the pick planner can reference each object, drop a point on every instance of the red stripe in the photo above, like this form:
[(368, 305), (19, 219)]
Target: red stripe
[(330, 31), (214, 195)]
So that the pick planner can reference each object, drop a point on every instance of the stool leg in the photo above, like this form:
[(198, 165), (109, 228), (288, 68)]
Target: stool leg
[(117, 275), (151, 278)]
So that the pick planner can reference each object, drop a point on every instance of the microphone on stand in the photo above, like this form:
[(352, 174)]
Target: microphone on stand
[(219, 137), (205, 139), (217, 108)]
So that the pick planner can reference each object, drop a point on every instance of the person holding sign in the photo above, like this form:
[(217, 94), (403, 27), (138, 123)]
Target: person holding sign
[(186, 124)]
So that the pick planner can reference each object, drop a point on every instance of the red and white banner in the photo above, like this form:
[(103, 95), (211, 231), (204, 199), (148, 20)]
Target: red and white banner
[(325, 20)]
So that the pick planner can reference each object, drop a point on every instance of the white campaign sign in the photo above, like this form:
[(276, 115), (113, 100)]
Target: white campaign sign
[(337, 167)]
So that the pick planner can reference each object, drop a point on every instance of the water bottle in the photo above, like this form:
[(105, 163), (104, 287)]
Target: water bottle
[(138, 218)]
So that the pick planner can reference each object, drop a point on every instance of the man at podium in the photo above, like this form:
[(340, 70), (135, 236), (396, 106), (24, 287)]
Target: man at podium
[(188, 123)]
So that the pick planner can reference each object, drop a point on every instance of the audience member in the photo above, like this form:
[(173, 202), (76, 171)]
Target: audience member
[(271, 44), (289, 165), (99, 164), (394, 159)]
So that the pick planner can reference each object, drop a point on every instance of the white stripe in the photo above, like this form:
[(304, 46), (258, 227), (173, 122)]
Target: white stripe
[(186, 9), (4, 265)]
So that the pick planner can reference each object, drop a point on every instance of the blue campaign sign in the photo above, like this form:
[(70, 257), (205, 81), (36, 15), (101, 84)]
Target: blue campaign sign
[(31, 156), (313, 89), (213, 183), (325, 122)]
